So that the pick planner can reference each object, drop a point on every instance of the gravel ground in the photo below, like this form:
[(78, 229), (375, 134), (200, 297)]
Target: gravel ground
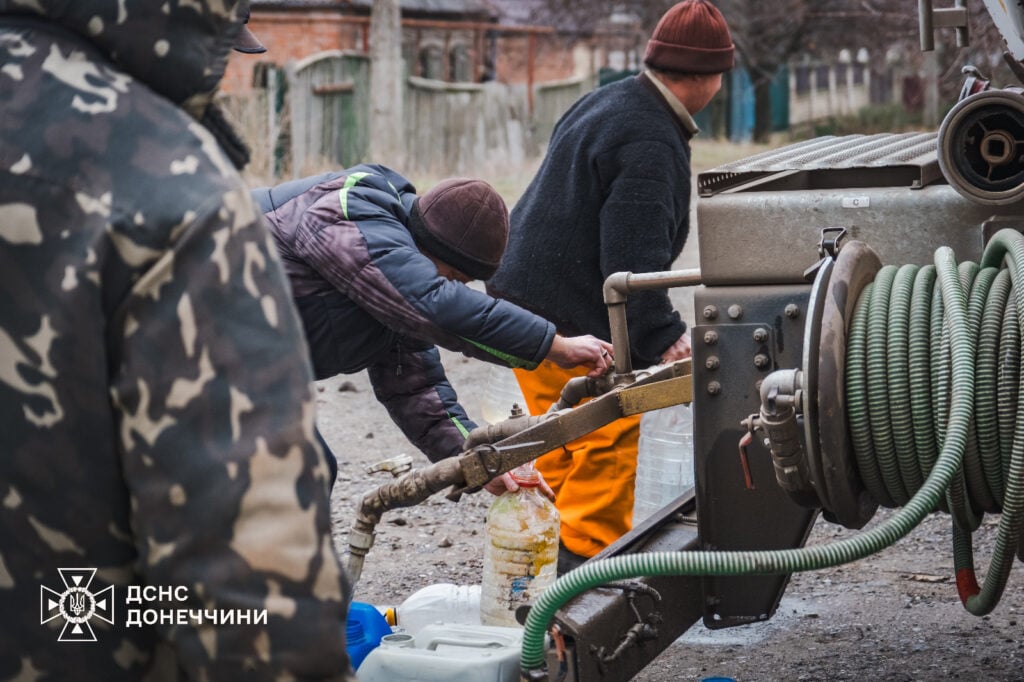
[(893, 616)]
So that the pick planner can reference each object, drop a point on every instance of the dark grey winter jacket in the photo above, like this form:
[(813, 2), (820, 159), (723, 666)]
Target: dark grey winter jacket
[(369, 298)]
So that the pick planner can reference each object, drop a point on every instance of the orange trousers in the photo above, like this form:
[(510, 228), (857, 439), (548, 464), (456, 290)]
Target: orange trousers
[(592, 476)]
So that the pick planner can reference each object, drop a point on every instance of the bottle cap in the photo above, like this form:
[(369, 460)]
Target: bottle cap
[(526, 476)]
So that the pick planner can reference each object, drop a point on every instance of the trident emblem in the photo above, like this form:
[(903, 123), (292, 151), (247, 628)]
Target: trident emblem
[(77, 600)]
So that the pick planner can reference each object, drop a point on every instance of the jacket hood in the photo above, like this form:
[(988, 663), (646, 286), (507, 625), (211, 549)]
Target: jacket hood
[(179, 48)]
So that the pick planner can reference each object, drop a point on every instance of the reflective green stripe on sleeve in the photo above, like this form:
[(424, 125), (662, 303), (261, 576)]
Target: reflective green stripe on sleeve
[(462, 429), (350, 182), (511, 360)]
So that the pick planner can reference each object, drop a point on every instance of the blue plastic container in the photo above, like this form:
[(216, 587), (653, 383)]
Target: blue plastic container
[(366, 625)]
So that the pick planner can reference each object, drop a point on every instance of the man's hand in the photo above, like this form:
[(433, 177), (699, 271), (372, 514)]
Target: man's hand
[(680, 350), (589, 351), (505, 482)]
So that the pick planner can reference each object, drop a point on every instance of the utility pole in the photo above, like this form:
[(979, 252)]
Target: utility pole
[(387, 85)]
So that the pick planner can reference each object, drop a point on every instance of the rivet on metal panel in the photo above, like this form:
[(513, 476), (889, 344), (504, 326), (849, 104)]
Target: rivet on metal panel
[(710, 312), (760, 335), (714, 388), (761, 361), (712, 362), (792, 311), (735, 311), (711, 338)]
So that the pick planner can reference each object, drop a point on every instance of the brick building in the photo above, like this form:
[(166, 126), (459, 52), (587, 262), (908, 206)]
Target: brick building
[(449, 40)]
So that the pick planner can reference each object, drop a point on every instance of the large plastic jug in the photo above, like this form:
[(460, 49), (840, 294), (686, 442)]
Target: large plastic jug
[(520, 549), (502, 392), (664, 463), (365, 627), (440, 603), (446, 653)]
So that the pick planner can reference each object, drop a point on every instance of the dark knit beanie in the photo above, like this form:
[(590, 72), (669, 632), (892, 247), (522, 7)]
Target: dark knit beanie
[(464, 223), (691, 37)]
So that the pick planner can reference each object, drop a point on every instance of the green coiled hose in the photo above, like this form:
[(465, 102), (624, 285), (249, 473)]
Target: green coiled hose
[(909, 454)]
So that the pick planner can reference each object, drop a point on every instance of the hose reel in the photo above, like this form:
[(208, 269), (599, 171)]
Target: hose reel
[(875, 391), (822, 473), (981, 146)]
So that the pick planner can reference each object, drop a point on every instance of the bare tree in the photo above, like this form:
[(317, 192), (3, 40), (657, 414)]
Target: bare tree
[(766, 34), (770, 33), (387, 84)]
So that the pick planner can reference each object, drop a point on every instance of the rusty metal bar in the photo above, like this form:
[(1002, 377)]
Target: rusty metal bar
[(669, 385)]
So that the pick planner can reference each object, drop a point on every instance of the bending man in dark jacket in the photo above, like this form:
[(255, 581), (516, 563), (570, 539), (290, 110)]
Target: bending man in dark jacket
[(378, 275)]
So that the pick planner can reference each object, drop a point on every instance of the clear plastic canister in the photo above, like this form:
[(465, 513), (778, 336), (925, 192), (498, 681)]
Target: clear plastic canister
[(664, 463), (502, 392)]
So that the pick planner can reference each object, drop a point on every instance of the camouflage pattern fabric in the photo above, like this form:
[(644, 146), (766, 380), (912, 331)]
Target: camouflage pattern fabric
[(156, 406)]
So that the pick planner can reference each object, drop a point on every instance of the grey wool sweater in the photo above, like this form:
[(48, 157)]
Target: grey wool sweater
[(612, 194)]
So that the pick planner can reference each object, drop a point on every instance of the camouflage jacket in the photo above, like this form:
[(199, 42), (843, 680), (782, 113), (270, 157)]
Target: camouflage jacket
[(163, 505)]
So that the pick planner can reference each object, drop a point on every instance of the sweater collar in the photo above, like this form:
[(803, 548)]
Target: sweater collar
[(689, 125)]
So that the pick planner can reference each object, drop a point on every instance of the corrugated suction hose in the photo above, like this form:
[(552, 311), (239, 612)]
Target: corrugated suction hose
[(898, 407)]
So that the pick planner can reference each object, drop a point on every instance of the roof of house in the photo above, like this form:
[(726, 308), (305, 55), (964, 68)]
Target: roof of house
[(475, 8), (516, 12)]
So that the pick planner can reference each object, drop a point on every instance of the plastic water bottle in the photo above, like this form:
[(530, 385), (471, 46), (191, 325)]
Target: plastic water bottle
[(364, 628), (502, 392), (664, 463), (440, 603), (520, 549)]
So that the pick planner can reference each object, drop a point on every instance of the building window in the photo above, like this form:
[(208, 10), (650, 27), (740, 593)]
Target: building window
[(432, 62), (460, 66)]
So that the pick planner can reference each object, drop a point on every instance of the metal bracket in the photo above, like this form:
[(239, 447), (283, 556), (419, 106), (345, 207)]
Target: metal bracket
[(930, 19), (829, 247), (975, 81), (642, 630), (483, 464)]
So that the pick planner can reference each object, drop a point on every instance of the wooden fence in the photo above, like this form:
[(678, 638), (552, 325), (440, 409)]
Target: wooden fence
[(314, 116)]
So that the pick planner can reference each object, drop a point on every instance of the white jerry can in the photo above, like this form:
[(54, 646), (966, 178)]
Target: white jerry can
[(444, 652)]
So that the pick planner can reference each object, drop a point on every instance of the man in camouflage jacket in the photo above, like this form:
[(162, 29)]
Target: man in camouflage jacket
[(163, 503)]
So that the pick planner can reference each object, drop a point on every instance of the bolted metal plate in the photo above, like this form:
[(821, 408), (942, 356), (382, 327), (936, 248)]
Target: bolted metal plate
[(726, 375)]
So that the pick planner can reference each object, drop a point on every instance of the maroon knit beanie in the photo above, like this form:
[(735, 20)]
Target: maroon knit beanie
[(691, 37), (464, 223)]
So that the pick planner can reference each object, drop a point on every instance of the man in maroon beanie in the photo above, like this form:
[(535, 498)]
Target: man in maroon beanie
[(378, 274), (613, 194)]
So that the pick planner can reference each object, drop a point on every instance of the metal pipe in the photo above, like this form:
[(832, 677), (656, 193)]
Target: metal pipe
[(924, 25), (411, 489), (492, 433), (963, 38), (578, 388), (616, 290)]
